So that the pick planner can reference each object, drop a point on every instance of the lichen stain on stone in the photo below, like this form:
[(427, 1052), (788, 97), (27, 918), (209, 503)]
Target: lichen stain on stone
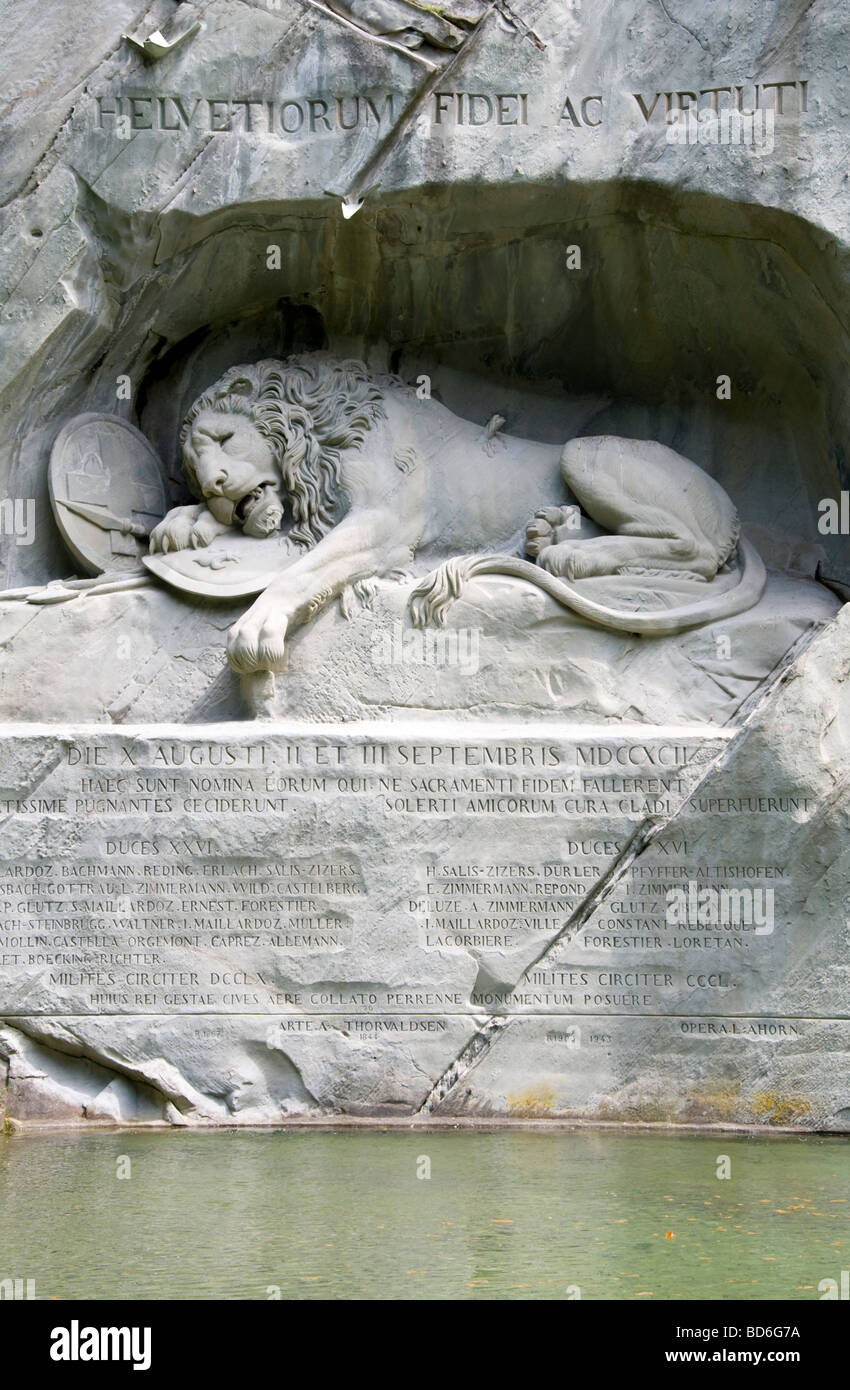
[(769, 1107), (644, 1102), (723, 1103), (537, 1101)]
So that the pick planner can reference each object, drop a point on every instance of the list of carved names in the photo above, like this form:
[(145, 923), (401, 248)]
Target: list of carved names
[(172, 876)]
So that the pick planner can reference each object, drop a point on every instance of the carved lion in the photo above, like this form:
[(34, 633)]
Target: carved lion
[(367, 475)]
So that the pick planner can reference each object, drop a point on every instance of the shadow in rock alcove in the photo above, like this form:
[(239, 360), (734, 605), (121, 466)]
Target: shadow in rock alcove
[(669, 296), (715, 327)]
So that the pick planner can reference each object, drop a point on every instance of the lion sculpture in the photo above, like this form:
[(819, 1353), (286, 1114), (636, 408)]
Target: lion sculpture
[(367, 475)]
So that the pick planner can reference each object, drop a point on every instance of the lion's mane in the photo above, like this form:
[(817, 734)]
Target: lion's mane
[(309, 408)]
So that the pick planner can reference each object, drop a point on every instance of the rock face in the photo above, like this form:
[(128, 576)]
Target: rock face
[(523, 864)]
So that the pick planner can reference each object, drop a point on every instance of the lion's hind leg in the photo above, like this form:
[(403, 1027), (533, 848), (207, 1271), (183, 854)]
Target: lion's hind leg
[(627, 554), (646, 539), (665, 512)]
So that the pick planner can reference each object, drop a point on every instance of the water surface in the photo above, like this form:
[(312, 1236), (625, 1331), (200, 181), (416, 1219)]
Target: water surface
[(342, 1214)]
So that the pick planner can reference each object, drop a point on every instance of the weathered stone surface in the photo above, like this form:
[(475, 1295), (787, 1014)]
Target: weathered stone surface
[(380, 979), (374, 664), (122, 656), (759, 1034)]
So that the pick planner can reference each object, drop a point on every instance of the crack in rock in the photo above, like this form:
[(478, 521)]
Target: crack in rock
[(496, 1025)]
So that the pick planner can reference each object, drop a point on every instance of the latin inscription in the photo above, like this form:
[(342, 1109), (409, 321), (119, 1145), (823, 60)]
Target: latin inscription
[(328, 113), (151, 875)]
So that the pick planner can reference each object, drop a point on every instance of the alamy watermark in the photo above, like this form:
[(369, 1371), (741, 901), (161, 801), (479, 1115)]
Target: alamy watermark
[(834, 515), (83, 1343), (17, 1289), (696, 905), (437, 647), (17, 518), (752, 130)]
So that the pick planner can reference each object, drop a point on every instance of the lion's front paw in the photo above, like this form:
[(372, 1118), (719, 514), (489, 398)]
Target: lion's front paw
[(206, 529), (538, 535), (257, 641), (548, 526), (174, 532)]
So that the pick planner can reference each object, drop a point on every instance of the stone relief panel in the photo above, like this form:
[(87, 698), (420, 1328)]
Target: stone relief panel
[(424, 433), (320, 481)]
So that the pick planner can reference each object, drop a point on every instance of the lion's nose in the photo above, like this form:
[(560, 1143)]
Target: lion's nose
[(213, 487)]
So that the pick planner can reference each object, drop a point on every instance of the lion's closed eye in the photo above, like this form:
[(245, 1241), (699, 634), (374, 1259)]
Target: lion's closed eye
[(218, 436)]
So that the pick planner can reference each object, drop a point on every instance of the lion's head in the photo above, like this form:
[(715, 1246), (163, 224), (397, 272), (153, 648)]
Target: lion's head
[(279, 423)]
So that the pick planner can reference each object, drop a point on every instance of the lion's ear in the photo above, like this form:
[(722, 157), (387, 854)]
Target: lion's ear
[(240, 387)]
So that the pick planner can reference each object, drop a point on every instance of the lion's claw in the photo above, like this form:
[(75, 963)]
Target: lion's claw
[(549, 528), (538, 535), (552, 516), (185, 528), (257, 642), (174, 532)]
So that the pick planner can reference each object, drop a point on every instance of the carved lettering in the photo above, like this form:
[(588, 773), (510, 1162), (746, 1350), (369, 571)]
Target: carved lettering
[(261, 116), (480, 108)]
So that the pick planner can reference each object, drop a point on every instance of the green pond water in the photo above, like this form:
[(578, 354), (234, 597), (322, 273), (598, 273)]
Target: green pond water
[(342, 1214)]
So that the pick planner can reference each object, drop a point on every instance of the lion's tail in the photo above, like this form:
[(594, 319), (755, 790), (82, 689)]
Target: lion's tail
[(434, 595)]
